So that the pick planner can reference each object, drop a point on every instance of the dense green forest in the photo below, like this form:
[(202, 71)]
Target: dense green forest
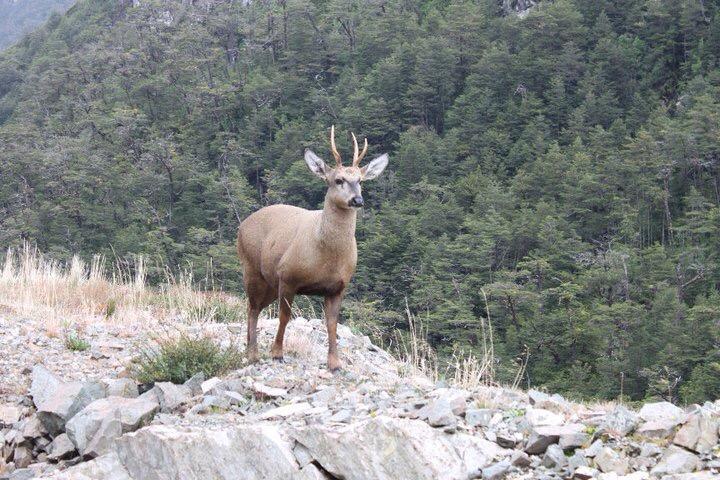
[(565, 162), (18, 17)]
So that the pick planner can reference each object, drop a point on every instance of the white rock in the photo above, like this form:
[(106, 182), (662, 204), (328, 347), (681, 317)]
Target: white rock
[(676, 460), (161, 452), (171, 396), (209, 384), (538, 417), (43, 385), (699, 433), (286, 411), (262, 390), (392, 448), (9, 414), (661, 411), (585, 473), (608, 460)]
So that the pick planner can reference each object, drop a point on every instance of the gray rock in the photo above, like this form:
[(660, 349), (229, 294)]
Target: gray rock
[(106, 467), (131, 412), (43, 385), (361, 450), (661, 411), (676, 460), (22, 456), (594, 448), (496, 471), (608, 460), (33, 428), (121, 387), (171, 396), (209, 384), (662, 428), (342, 416), (66, 401), (194, 383), (479, 417), (650, 450), (554, 457), (544, 436), (103, 439), (161, 452), (263, 391), (302, 454), (576, 461), (22, 474), (519, 459), (61, 448), (309, 472), (440, 414), (620, 421), (699, 433)]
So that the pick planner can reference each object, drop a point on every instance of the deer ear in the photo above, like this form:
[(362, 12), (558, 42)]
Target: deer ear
[(315, 164), (374, 168)]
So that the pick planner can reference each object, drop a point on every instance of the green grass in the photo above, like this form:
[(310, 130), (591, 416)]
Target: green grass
[(177, 358), (75, 342)]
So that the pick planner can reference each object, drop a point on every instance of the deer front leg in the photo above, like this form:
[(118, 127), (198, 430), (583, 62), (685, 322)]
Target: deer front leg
[(251, 349), (332, 312), (285, 298)]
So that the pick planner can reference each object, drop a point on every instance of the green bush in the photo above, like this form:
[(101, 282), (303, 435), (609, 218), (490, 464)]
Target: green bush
[(75, 342), (177, 358)]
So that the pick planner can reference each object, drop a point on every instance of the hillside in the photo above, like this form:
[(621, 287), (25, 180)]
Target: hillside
[(378, 419), (554, 171), (19, 17)]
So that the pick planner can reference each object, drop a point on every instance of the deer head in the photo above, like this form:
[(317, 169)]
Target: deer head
[(344, 183)]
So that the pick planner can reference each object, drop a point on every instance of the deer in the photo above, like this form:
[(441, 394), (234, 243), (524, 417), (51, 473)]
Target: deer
[(287, 250)]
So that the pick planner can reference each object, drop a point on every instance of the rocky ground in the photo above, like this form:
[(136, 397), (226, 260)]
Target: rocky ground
[(77, 415)]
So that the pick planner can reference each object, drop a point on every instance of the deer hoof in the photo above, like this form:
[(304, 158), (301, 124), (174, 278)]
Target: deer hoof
[(333, 364), (279, 359), (252, 356)]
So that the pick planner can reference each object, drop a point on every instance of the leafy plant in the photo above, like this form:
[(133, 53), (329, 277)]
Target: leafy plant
[(76, 343), (178, 357)]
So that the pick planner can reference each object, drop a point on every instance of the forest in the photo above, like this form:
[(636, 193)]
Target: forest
[(556, 169)]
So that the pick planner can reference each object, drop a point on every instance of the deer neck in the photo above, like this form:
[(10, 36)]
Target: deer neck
[(337, 226)]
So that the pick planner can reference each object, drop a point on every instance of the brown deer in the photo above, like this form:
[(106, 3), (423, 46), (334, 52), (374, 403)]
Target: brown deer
[(287, 250)]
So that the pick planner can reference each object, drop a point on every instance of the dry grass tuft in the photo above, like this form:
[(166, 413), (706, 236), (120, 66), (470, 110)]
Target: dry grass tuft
[(76, 293)]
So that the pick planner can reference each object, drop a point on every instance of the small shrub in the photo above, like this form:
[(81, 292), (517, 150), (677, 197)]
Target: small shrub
[(176, 359), (75, 342)]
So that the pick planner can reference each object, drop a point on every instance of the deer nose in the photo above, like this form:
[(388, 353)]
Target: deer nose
[(356, 201)]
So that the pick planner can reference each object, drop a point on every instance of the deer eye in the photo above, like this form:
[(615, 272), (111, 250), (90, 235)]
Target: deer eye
[(339, 181)]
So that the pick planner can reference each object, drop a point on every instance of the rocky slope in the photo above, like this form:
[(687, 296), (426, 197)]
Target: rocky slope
[(81, 418)]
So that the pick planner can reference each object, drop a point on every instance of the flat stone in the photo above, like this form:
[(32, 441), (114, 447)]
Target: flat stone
[(121, 387), (171, 396), (43, 385), (66, 401), (106, 467), (22, 456), (496, 471), (585, 473), (361, 450), (479, 417), (263, 391), (9, 414), (661, 411), (130, 412), (544, 436), (554, 457), (659, 429), (209, 384), (699, 433), (538, 417), (61, 448), (676, 460), (519, 459), (620, 421), (194, 383), (286, 411), (608, 460)]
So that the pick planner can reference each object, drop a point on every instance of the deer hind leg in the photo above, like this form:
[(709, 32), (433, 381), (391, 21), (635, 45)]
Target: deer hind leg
[(260, 294), (332, 312), (285, 299)]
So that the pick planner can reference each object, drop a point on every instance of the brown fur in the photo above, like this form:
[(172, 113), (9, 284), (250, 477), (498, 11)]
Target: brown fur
[(287, 250)]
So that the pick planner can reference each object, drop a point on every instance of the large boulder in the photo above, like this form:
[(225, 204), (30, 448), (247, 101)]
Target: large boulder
[(99, 420), (651, 412), (699, 433), (43, 385), (393, 448), (620, 421), (676, 460), (573, 434), (67, 400), (250, 452)]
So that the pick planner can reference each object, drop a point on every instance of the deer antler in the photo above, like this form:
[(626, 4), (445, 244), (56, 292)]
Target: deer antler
[(336, 154), (358, 156)]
